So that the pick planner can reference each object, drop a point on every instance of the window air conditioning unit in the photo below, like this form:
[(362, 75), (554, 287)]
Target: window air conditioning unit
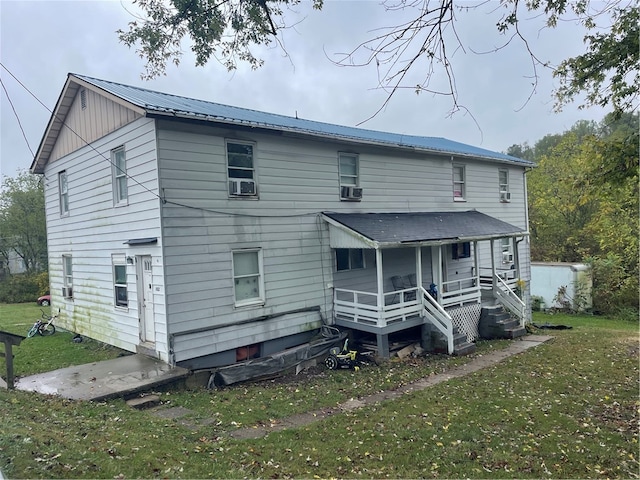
[(67, 292), (505, 196), (242, 187), (507, 257), (351, 193)]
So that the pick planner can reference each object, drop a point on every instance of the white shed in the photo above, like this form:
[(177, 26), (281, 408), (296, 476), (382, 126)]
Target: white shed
[(560, 282)]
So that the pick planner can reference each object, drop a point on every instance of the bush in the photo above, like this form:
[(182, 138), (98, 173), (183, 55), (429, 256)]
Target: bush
[(23, 288), (536, 303), (614, 289)]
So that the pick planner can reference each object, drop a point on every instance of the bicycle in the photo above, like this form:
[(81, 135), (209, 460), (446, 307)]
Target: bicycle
[(44, 326)]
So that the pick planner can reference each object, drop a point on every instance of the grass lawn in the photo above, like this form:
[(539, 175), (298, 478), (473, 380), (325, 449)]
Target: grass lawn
[(566, 409)]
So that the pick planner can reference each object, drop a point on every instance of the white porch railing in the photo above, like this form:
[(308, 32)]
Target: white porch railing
[(398, 306), (509, 299), (438, 316), (362, 307), (455, 293)]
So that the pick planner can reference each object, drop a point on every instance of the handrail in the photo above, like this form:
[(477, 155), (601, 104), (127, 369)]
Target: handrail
[(510, 299), (442, 320)]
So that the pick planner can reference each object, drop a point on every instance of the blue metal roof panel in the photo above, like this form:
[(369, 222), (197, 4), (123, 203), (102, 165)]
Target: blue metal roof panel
[(157, 102)]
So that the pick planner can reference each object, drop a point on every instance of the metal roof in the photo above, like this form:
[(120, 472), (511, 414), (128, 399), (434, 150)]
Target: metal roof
[(425, 227), (165, 104)]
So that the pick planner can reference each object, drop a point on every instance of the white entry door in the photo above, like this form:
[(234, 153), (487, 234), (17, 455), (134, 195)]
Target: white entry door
[(145, 286)]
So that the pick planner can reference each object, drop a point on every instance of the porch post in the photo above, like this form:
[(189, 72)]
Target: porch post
[(516, 258), (476, 264), (494, 284), (380, 287), (419, 266), (382, 339), (436, 269)]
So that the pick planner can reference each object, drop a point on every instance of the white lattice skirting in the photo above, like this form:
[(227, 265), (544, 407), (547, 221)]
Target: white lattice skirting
[(467, 319)]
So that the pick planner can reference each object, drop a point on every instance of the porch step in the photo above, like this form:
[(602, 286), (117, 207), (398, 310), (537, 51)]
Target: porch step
[(495, 322), (466, 348)]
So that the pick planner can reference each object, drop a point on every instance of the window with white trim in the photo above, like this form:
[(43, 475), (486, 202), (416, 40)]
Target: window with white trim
[(67, 276), (507, 250), (349, 259), (63, 187), (120, 288), (241, 171), (348, 166), (503, 185), (459, 190), (248, 283), (119, 168)]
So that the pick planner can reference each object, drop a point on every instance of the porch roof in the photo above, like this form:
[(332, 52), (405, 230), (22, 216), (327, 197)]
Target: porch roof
[(379, 230)]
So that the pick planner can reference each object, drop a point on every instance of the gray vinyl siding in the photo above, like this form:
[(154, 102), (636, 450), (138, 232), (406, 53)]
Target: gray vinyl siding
[(297, 179), (95, 229)]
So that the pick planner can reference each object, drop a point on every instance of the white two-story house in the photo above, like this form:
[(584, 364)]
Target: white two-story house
[(203, 234)]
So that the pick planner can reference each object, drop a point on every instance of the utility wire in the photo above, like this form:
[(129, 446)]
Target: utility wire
[(24, 135), (161, 198)]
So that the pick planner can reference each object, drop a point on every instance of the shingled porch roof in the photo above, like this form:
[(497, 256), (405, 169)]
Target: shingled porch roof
[(385, 230)]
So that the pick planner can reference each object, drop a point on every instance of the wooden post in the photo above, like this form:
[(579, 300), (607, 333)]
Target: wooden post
[(9, 339)]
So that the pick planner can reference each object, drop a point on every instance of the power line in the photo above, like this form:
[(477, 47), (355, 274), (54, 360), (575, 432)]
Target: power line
[(162, 198), (24, 135)]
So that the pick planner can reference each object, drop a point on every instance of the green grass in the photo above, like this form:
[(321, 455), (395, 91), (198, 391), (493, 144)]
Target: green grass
[(566, 409), (41, 354)]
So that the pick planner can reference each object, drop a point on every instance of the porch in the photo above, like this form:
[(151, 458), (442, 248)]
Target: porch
[(441, 282)]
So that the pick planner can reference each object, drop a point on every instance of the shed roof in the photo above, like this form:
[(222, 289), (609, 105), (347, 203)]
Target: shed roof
[(388, 229), (158, 103)]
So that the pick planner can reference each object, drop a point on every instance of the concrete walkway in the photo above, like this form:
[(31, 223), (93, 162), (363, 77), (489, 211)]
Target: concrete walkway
[(118, 377)]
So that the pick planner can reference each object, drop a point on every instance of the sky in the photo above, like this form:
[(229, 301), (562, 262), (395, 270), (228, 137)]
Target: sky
[(42, 41)]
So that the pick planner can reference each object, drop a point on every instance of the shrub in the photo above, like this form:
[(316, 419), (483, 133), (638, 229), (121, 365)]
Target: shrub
[(23, 287), (614, 289)]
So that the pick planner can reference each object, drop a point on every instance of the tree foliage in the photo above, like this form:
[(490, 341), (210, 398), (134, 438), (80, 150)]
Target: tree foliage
[(228, 30), (223, 29), (22, 221), (584, 203)]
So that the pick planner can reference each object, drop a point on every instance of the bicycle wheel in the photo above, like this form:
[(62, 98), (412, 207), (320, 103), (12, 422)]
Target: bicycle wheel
[(33, 331), (47, 329)]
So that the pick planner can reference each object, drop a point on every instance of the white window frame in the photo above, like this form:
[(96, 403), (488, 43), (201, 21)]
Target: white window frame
[(235, 169), (119, 263), (351, 256), (348, 179), (67, 274), (460, 184), (120, 187), (259, 298), (506, 246), (63, 188), (503, 185)]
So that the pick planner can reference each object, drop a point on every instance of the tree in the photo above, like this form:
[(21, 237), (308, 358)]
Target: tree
[(228, 29), (583, 209), (22, 221)]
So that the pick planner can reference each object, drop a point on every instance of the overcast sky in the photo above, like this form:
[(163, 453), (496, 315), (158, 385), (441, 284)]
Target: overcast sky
[(43, 41)]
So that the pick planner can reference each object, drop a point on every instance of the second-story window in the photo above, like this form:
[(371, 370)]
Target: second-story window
[(64, 192), (503, 185), (241, 169), (459, 186), (348, 167), (119, 162)]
